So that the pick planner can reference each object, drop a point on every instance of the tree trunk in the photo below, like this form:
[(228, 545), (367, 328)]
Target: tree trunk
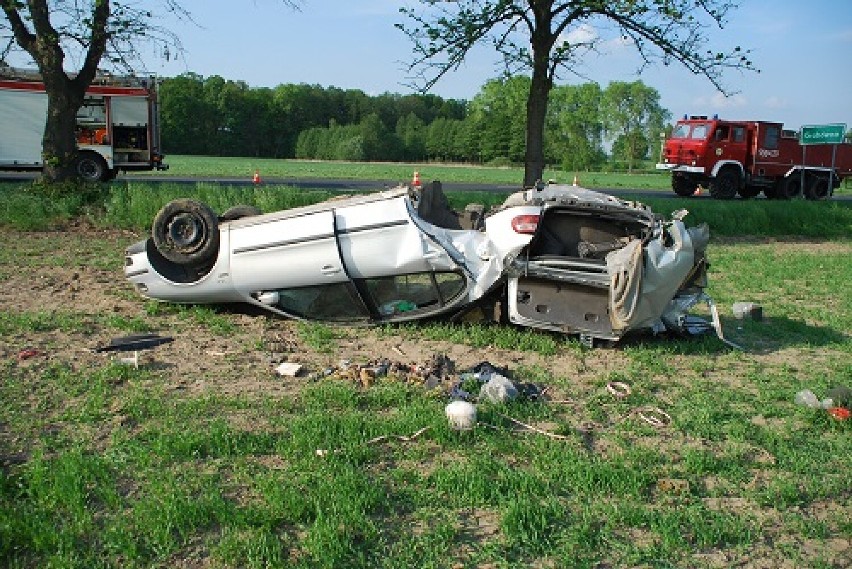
[(59, 144), (541, 42)]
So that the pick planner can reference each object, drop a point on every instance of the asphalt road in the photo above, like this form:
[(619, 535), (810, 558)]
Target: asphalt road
[(361, 185)]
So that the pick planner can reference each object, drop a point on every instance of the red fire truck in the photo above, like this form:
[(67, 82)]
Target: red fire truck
[(117, 127), (747, 157)]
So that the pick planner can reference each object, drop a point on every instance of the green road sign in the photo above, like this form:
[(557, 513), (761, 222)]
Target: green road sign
[(822, 134)]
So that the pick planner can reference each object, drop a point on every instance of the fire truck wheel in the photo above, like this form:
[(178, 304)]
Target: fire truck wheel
[(684, 186), (790, 188), (748, 192), (818, 189), (239, 212), (186, 232), (724, 185), (91, 167)]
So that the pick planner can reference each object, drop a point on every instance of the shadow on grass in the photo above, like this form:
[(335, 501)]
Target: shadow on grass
[(778, 332)]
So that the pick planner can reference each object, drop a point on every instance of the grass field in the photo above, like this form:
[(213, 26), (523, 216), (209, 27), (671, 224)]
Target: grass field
[(209, 166), (203, 457), (644, 178)]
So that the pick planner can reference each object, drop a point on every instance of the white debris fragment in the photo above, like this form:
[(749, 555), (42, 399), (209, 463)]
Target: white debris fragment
[(289, 369), (461, 414)]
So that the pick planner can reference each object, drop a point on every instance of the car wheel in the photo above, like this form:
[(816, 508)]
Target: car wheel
[(239, 212), (186, 232), (91, 167), (684, 186), (724, 186)]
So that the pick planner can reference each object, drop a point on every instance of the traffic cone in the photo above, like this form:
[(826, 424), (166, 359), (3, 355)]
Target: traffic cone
[(256, 178), (576, 180), (416, 180)]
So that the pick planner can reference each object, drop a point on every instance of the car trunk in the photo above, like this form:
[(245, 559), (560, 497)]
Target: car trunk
[(561, 281)]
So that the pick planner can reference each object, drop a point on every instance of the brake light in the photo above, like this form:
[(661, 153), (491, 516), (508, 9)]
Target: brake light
[(525, 223)]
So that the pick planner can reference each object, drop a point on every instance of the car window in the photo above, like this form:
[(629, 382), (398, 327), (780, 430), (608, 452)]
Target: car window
[(394, 295), (323, 302), (739, 134)]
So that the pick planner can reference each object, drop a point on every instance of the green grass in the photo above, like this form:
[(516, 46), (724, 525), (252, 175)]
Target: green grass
[(227, 167)]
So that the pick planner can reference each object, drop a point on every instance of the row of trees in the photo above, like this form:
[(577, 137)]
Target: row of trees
[(213, 116), (218, 117)]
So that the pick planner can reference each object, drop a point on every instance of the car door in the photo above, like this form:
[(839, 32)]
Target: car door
[(291, 249)]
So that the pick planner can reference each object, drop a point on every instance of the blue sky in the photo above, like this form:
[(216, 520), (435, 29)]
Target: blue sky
[(802, 47)]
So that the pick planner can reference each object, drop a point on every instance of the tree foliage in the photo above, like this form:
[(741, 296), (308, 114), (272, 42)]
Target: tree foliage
[(214, 116), (534, 36)]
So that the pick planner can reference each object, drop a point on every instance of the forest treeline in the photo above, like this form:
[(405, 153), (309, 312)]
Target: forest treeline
[(219, 117)]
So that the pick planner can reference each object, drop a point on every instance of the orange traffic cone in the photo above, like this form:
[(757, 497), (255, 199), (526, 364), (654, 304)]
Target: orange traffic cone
[(576, 180), (416, 180), (256, 178)]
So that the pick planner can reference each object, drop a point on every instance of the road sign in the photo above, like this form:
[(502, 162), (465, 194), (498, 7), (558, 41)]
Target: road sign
[(822, 134)]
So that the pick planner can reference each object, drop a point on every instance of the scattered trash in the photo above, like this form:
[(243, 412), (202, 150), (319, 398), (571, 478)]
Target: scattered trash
[(28, 353), (403, 438), (655, 417), (289, 369), (461, 415), (134, 343), (535, 429), (618, 389), (839, 413), (841, 396), (498, 389), (807, 398), (751, 310)]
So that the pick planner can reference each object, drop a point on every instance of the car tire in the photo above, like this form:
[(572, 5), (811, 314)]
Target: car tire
[(239, 212), (186, 232), (725, 185), (91, 167)]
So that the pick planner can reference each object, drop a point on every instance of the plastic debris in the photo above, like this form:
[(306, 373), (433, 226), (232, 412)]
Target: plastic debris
[(743, 310), (28, 353), (498, 389), (807, 398), (461, 415), (289, 369)]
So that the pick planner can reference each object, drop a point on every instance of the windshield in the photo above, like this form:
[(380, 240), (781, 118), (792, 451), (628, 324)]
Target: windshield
[(695, 131)]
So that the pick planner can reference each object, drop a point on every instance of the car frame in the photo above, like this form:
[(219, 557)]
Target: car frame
[(552, 257)]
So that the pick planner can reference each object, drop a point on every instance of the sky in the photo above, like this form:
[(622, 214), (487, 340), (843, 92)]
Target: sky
[(803, 49)]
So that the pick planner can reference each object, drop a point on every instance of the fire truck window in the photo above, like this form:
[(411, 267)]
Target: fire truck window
[(770, 140), (739, 134), (699, 132), (722, 132), (682, 131)]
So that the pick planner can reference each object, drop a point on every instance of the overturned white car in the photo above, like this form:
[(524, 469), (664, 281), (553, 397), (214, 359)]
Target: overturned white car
[(553, 257)]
